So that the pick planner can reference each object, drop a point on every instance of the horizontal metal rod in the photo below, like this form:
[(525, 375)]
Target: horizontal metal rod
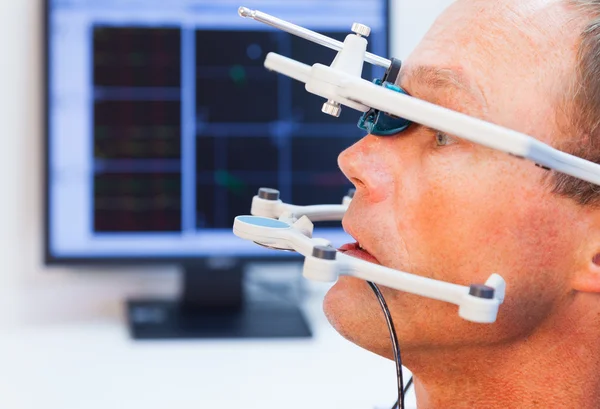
[(307, 34)]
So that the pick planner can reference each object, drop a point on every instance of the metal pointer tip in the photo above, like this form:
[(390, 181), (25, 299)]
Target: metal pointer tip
[(245, 12)]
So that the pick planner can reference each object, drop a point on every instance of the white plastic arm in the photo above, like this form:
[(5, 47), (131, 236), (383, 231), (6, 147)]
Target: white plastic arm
[(319, 213), (360, 91), (471, 308), (469, 128), (275, 234), (280, 235), (400, 280), (276, 209)]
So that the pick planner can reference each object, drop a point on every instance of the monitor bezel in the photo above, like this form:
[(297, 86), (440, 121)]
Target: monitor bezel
[(51, 259)]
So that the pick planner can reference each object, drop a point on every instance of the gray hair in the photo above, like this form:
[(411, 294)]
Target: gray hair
[(583, 107)]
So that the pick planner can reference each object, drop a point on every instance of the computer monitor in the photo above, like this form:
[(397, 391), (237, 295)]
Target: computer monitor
[(162, 124)]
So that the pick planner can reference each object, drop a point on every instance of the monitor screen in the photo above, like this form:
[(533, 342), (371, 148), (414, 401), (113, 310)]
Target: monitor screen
[(163, 122)]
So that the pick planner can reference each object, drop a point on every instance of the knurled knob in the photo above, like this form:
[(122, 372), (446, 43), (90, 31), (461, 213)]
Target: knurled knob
[(324, 252), (361, 29), (482, 291), (332, 108), (268, 194)]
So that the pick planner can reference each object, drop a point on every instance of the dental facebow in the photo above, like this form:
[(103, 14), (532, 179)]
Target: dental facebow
[(387, 110)]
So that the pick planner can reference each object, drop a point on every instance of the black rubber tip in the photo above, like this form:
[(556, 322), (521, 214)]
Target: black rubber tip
[(482, 291), (351, 193), (324, 253), (268, 194), (391, 74)]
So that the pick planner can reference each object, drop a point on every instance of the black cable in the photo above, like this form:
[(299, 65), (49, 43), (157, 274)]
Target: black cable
[(408, 385), (395, 346)]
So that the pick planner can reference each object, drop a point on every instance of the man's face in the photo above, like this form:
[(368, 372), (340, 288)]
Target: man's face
[(441, 207)]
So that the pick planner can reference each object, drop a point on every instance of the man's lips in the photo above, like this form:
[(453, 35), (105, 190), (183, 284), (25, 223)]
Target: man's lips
[(353, 250)]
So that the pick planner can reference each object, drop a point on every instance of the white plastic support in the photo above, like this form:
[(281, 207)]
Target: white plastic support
[(324, 82), (276, 209), (361, 95), (350, 59), (470, 307), (280, 235), (497, 282), (315, 79), (343, 86), (347, 200), (291, 68), (275, 234)]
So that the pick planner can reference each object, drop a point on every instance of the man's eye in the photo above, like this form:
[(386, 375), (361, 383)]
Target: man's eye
[(441, 139)]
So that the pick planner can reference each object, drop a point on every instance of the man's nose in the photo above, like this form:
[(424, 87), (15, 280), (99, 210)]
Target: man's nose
[(367, 165)]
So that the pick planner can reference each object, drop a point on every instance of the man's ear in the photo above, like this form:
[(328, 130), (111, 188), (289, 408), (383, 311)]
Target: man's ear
[(588, 279), (587, 275)]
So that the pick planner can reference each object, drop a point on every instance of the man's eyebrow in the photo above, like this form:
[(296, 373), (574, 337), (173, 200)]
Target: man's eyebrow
[(439, 78)]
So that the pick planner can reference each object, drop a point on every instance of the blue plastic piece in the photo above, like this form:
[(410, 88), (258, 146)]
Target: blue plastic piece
[(380, 123)]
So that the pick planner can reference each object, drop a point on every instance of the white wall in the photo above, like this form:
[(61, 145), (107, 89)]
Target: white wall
[(29, 292), (411, 20)]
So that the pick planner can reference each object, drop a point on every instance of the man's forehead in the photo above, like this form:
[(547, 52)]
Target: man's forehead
[(532, 12), (495, 28), (443, 80), (434, 76), (500, 51)]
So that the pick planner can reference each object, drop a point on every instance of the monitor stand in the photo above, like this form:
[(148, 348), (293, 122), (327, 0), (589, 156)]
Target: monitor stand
[(212, 305)]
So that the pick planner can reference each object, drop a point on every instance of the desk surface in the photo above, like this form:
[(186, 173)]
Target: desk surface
[(94, 365)]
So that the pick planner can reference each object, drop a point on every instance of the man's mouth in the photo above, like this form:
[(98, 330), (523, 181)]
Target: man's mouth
[(355, 250)]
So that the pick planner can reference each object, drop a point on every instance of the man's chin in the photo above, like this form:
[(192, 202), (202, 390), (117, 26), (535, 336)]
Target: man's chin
[(342, 303), (350, 307)]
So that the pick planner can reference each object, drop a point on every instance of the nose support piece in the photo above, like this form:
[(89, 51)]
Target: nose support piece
[(379, 123)]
